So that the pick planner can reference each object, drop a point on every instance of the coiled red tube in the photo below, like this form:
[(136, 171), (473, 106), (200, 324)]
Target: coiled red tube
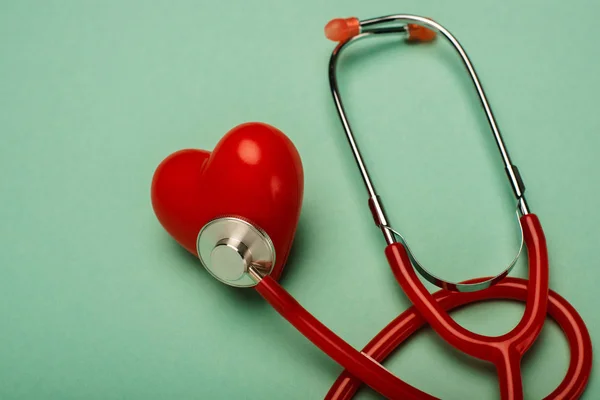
[(504, 351), (361, 369), (407, 323)]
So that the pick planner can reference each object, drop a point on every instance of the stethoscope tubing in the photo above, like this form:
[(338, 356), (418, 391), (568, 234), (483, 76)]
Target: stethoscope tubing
[(369, 371), (410, 321), (504, 351)]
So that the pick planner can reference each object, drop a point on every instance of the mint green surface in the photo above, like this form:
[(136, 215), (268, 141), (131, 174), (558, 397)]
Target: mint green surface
[(97, 302)]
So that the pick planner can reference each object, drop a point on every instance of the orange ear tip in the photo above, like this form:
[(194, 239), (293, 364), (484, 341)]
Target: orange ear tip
[(418, 33), (342, 29)]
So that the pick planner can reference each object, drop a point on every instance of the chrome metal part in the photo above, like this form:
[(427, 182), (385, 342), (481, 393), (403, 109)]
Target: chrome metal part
[(395, 24), (232, 250)]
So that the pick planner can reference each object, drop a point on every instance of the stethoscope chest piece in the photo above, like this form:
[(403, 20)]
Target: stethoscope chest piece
[(232, 250)]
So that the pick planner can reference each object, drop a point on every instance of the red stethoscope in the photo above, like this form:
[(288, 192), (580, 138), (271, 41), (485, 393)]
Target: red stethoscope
[(237, 209)]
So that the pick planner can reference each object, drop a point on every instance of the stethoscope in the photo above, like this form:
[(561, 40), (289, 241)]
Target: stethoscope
[(237, 207)]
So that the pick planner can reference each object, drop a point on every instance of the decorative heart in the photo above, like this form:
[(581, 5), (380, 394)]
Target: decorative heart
[(254, 173)]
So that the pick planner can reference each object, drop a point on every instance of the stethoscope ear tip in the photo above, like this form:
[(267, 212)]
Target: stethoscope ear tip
[(419, 33), (342, 29)]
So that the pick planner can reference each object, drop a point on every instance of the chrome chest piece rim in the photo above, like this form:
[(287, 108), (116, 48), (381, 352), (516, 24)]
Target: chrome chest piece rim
[(232, 249)]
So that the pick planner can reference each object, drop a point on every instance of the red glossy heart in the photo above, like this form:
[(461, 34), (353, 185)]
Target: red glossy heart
[(254, 172)]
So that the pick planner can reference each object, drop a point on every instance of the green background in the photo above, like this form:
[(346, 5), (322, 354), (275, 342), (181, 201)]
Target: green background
[(97, 302)]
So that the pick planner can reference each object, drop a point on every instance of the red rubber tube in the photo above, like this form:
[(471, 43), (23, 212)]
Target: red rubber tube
[(505, 351), (407, 323), (359, 365)]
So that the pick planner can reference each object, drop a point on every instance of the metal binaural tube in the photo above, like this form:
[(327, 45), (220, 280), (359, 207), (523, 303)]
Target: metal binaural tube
[(417, 29), (513, 175)]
